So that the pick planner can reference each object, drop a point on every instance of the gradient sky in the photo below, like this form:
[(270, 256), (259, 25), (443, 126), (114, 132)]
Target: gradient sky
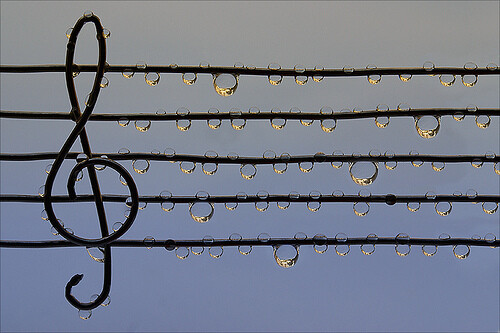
[(152, 290)]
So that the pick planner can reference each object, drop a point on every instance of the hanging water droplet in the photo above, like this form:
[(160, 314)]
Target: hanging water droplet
[(68, 32), (166, 205), (225, 84), (128, 74), (447, 80), (286, 256), (274, 79), (443, 208), (140, 166), (214, 123), (427, 126), (106, 33), (189, 78), (104, 82), (248, 171), (84, 314), (183, 124), (374, 78), (405, 77), (483, 121), (461, 251), (201, 212), (187, 167), (318, 77), (361, 208), (300, 79), (152, 78), (363, 173)]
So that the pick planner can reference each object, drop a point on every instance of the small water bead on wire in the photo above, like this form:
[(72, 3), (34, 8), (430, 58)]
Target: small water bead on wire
[(104, 82), (85, 314), (286, 256), (248, 171), (262, 205), (148, 242), (327, 125), (189, 78), (447, 80), (489, 207), (142, 125), (68, 32), (152, 78), (318, 77), (280, 168), (342, 249), (315, 204), (210, 168), (334, 164), (274, 79), (469, 80), (237, 122), (429, 66), (187, 167), (416, 162), (300, 78), (225, 84), (361, 208), (373, 79), (204, 64), (382, 122), (348, 69), (165, 204), (371, 238), (277, 123), (182, 124), (390, 165), (402, 247), (201, 211), (141, 166), (214, 123), (443, 208), (106, 302)]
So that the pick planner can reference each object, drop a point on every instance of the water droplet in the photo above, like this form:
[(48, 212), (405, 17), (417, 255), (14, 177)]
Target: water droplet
[(248, 171), (197, 250), (187, 166), (152, 78), (216, 252), (300, 79), (438, 166), (68, 32), (189, 78), (402, 248), (413, 206), (306, 166), (469, 80), (490, 238), (429, 66), (361, 208), (88, 13), (141, 65), (461, 251), (300, 236), (167, 206), (314, 206), (182, 252), (483, 121), (236, 122), (286, 256), (96, 253), (496, 168), (183, 124), (231, 205), (447, 80), (106, 33), (490, 207), (225, 84), (363, 173), (274, 79), (41, 191), (373, 79), (427, 126), (84, 314), (405, 77), (427, 253), (338, 193), (140, 166), (210, 168), (142, 125), (233, 156), (443, 208), (491, 66), (128, 74), (458, 116), (264, 237), (430, 195), (104, 82), (444, 236), (318, 77), (213, 123), (148, 242), (123, 122), (250, 67), (390, 165), (201, 211), (204, 64), (348, 69)]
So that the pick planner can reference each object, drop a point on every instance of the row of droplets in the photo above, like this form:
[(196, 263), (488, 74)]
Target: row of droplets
[(427, 126), (362, 172)]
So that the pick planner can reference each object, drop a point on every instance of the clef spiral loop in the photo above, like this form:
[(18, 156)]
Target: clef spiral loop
[(89, 163)]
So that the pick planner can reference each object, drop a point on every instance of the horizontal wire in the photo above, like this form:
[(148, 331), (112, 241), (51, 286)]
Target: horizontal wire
[(253, 71), (260, 242), (387, 198), (261, 115), (317, 158)]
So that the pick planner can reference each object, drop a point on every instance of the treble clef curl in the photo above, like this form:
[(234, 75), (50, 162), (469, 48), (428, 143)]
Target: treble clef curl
[(88, 163)]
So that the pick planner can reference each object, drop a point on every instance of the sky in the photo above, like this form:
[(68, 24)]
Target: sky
[(152, 290)]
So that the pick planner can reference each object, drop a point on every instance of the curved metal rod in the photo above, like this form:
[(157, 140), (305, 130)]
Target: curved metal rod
[(106, 287), (79, 130)]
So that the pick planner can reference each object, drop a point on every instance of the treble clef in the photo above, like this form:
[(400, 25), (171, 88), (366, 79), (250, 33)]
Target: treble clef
[(89, 163)]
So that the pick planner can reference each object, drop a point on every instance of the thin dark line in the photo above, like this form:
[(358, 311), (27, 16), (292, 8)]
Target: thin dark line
[(387, 198), (258, 242), (252, 72), (394, 113), (296, 159)]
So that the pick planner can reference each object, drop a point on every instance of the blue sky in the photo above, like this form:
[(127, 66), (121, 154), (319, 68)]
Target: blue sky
[(152, 290)]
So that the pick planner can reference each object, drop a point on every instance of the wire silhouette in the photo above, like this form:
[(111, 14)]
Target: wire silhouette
[(469, 74)]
